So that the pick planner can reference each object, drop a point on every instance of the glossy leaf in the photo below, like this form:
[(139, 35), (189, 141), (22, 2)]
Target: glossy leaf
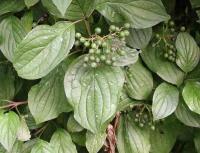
[(47, 99), (12, 32), (188, 52), (165, 101), (62, 142), (23, 133), (93, 93), (9, 125), (27, 21), (139, 38), (140, 13), (186, 116), (191, 96), (7, 6), (139, 81), (73, 125), (53, 45), (94, 142), (30, 3), (42, 147), (131, 138), (163, 68)]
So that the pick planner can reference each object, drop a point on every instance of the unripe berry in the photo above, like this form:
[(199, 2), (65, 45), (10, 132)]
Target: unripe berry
[(87, 44), (86, 58), (172, 30), (127, 25), (98, 51), (97, 60), (122, 34), (182, 29), (108, 62), (117, 29), (103, 57), (94, 45), (91, 51), (171, 23), (85, 65), (92, 58), (136, 120), (107, 51), (82, 39), (112, 28), (77, 43), (97, 30), (93, 65), (157, 36), (126, 32), (152, 127), (78, 35), (104, 44), (170, 52), (99, 42), (113, 59), (122, 52), (141, 125), (166, 55)]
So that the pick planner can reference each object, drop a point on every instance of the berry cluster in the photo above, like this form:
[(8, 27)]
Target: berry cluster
[(170, 53), (100, 48), (173, 29)]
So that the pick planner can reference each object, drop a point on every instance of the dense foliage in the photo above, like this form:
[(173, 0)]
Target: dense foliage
[(99, 76)]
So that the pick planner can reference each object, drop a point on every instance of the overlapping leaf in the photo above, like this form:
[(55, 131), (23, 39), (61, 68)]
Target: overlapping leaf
[(42, 147), (93, 93), (43, 49), (165, 101)]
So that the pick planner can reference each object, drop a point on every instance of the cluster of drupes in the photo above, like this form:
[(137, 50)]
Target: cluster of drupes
[(168, 38), (100, 50)]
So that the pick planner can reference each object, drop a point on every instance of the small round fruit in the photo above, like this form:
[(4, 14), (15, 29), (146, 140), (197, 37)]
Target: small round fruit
[(136, 119), (87, 44), (77, 43), (103, 57), (107, 51), (94, 45), (85, 65), (114, 59), (153, 127), (78, 35), (157, 35), (97, 60), (166, 55), (97, 30), (182, 28), (112, 28), (98, 51), (137, 115), (122, 52), (86, 59), (122, 34), (171, 52), (172, 30), (108, 62), (171, 23), (93, 64), (171, 46), (126, 32), (110, 37), (99, 42), (82, 39), (127, 25), (104, 44), (117, 29), (92, 58), (91, 51), (141, 125)]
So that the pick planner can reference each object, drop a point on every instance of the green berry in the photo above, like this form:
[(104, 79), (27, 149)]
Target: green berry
[(92, 58), (126, 32), (77, 43), (114, 59), (153, 127), (166, 55), (98, 51), (94, 45), (91, 51), (110, 37), (171, 47), (117, 29), (182, 29), (127, 25), (78, 35), (86, 58), (157, 35), (141, 125), (136, 120), (87, 44), (99, 42), (108, 62), (85, 65), (112, 28), (103, 57), (137, 115), (107, 51), (122, 52), (93, 65), (172, 30), (170, 52), (82, 39), (97, 30), (171, 23), (97, 60), (104, 44), (122, 34)]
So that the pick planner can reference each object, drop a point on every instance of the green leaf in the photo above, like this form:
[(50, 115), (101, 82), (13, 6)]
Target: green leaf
[(7, 84), (139, 13), (94, 142), (191, 96), (47, 99), (73, 125), (139, 81), (23, 133), (79, 138), (162, 139), (9, 125), (165, 101), (188, 52), (152, 56), (48, 46), (30, 3), (27, 21), (62, 142), (57, 7), (197, 141), (42, 147), (93, 93), (7, 6), (17, 148), (186, 116), (131, 138), (139, 38), (12, 32), (28, 146)]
